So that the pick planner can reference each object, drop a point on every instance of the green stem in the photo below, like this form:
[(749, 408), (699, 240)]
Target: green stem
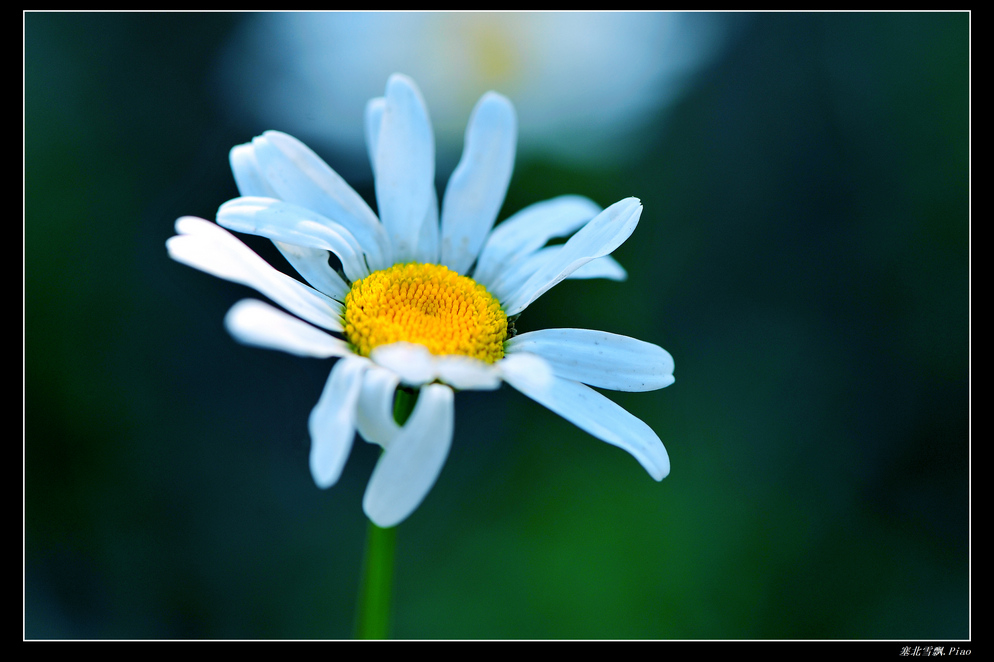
[(373, 609), (403, 404), (374, 594)]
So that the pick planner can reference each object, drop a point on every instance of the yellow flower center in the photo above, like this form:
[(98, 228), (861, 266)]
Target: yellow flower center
[(425, 304)]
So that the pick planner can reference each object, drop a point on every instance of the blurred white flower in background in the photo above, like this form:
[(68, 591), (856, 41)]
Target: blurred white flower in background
[(584, 83)]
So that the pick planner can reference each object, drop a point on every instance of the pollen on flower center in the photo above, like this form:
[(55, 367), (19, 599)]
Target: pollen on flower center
[(427, 304)]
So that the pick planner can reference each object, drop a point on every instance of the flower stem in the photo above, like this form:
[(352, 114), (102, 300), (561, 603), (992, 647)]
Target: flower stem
[(373, 609), (403, 404), (374, 594)]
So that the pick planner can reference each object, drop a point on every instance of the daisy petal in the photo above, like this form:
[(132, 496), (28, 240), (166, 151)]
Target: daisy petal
[(408, 468), (592, 412), (413, 363), (405, 166), (528, 230), (466, 373), (374, 416), (513, 276), (601, 267), (517, 274), (310, 263), (373, 119), (299, 176), (598, 358), (287, 223), (256, 323), (476, 190), (209, 247), (528, 370), (248, 176), (332, 421), (596, 239), (427, 249)]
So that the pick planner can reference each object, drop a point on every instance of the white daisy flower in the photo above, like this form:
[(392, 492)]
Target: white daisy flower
[(424, 295)]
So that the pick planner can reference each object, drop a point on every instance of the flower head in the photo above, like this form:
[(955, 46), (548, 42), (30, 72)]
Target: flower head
[(423, 295)]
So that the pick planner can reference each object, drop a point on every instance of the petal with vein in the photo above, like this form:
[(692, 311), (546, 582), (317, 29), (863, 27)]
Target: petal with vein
[(528, 230), (310, 263), (409, 467), (253, 322), (592, 412), (405, 166), (476, 190), (427, 248), (517, 274), (301, 177), (598, 358), (596, 239), (209, 247), (289, 223), (332, 421)]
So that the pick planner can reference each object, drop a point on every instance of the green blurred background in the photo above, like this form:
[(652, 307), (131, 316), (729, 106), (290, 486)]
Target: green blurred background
[(803, 253)]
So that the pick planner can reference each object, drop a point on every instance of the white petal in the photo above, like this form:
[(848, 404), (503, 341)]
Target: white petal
[(413, 363), (332, 421), (597, 238), (598, 358), (299, 176), (288, 223), (373, 119), (466, 373), (248, 176), (209, 247), (427, 251), (478, 185), (592, 412), (408, 468), (405, 166), (601, 267), (529, 370), (256, 323), (310, 263), (514, 276), (374, 416), (528, 230)]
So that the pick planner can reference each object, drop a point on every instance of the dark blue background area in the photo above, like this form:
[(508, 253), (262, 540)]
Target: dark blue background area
[(803, 253)]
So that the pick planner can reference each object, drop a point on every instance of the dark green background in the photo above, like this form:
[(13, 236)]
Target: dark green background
[(803, 254)]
